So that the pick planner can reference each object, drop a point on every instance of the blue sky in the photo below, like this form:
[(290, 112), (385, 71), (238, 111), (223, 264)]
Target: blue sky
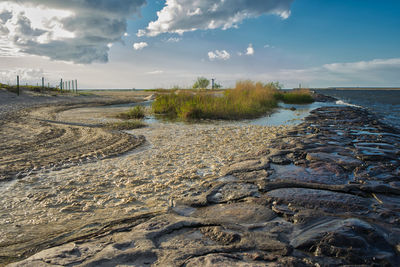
[(148, 44)]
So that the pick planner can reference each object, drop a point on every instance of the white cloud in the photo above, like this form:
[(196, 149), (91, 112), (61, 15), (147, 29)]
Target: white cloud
[(179, 16), (376, 64), (250, 50), (217, 54), (173, 40), (77, 31), (140, 46), (377, 72), (155, 72), (26, 75)]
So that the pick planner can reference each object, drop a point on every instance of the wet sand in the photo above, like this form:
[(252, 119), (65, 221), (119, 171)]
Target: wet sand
[(322, 193), (64, 185)]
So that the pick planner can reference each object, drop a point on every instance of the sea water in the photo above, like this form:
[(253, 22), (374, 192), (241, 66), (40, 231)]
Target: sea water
[(385, 104)]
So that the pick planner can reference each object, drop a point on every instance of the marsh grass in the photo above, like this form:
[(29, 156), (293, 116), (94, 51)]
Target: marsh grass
[(126, 125), (301, 96), (246, 100), (137, 112)]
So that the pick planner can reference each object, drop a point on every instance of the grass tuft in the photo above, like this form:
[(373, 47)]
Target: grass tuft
[(126, 125), (137, 112), (302, 96)]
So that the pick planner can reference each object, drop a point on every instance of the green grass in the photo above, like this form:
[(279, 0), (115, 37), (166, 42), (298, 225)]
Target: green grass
[(138, 112), (126, 125), (246, 100), (302, 96)]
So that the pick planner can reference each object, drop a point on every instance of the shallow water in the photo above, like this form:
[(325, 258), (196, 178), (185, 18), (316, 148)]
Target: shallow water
[(283, 115)]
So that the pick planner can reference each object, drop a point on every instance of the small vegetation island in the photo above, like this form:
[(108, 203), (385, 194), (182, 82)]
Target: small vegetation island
[(247, 100), (132, 119)]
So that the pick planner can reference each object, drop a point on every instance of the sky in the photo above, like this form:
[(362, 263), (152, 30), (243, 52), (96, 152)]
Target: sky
[(144, 44)]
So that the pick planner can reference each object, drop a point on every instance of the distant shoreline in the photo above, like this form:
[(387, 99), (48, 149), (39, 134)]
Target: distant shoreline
[(325, 88), (360, 88)]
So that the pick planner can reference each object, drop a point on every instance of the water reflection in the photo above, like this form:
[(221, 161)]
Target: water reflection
[(287, 114)]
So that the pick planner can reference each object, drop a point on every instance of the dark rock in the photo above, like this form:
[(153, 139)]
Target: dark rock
[(241, 213), (323, 98), (232, 191), (246, 166), (353, 240)]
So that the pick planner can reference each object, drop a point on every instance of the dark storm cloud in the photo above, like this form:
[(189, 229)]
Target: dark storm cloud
[(93, 24)]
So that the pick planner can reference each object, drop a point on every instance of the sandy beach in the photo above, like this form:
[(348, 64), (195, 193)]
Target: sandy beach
[(75, 193), (68, 182)]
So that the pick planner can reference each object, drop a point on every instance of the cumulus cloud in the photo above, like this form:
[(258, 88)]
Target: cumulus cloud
[(78, 30), (219, 55), (179, 16), (250, 50), (140, 46)]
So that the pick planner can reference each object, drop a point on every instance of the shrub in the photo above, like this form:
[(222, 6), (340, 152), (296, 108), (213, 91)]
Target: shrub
[(201, 83)]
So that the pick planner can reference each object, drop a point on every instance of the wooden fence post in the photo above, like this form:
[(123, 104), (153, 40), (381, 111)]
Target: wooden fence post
[(18, 92)]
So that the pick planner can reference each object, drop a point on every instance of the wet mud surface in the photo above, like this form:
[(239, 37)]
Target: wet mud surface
[(324, 193)]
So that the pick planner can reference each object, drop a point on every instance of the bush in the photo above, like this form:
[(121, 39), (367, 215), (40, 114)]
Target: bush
[(201, 83), (138, 112)]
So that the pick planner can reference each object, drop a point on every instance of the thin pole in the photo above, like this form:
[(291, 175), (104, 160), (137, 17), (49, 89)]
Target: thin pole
[(76, 86), (61, 85), (18, 85), (42, 83)]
